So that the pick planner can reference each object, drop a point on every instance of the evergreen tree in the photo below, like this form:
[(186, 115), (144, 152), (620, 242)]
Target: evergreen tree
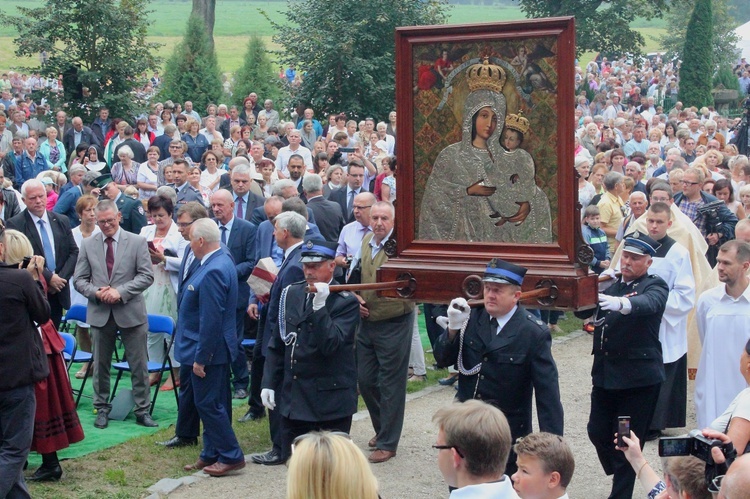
[(256, 74), (192, 72), (697, 64)]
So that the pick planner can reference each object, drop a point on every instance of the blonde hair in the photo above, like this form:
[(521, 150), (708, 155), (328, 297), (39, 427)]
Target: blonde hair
[(329, 466), (17, 247)]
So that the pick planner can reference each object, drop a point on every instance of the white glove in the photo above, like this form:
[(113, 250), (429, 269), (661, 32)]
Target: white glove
[(457, 316), (442, 321), (321, 293), (607, 302), (605, 284), (268, 397)]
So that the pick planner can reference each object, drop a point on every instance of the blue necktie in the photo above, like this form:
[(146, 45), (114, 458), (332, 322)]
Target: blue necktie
[(49, 253), (223, 234)]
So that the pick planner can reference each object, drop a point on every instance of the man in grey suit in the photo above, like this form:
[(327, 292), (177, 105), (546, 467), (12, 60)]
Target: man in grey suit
[(328, 215), (113, 270)]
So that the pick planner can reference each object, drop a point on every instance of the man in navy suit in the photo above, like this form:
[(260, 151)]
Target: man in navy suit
[(239, 236), (188, 423), (52, 238), (355, 177), (289, 233), (207, 339)]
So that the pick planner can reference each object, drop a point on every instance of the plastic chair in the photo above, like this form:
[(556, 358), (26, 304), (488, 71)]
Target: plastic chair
[(156, 324), (248, 343), (71, 355)]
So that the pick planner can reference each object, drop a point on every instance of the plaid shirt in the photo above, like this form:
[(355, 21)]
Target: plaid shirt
[(691, 210)]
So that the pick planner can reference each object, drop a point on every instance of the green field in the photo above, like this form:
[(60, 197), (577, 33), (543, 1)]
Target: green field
[(237, 19)]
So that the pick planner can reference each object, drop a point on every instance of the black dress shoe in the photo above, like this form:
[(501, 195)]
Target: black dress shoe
[(270, 458), (102, 420), (46, 474), (251, 416), (176, 441), (146, 420), (240, 393)]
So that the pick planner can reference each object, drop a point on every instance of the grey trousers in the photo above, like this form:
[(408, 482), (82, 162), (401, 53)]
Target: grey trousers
[(382, 364), (136, 352)]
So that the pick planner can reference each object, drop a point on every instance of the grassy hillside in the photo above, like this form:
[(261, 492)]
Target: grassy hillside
[(237, 19)]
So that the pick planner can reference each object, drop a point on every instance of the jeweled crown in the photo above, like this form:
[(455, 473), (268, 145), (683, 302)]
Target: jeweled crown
[(517, 122), (486, 76)]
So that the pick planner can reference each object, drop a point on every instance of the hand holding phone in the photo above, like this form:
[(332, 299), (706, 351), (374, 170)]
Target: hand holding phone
[(623, 429)]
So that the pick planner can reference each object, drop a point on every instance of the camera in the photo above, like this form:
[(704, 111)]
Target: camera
[(695, 444), (25, 262), (347, 149), (711, 212)]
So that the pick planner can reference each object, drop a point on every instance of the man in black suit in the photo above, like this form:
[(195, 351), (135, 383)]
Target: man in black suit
[(328, 215), (139, 151), (289, 232), (285, 189), (628, 369), (296, 168), (239, 236), (52, 238), (313, 353), (78, 134), (506, 354), (164, 141), (355, 176), (225, 181)]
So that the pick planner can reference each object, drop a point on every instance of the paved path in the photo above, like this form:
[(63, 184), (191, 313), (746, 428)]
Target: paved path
[(414, 474)]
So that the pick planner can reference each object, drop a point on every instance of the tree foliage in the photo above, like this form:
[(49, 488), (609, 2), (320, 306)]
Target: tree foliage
[(256, 74), (724, 41), (697, 64), (192, 71), (601, 26), (102, 43), (346, 50)]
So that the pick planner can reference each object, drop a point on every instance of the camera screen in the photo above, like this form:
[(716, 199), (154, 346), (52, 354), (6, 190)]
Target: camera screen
[(676, 446)]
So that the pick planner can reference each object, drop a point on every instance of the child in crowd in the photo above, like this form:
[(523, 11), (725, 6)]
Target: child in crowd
[(545, 466), (597, 239)]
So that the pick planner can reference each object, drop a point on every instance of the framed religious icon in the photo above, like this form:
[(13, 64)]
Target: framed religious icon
[(485, 155)]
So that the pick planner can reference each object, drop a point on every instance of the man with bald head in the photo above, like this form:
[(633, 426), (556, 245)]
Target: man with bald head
[(239, 236), (78, 134), (736, 482)]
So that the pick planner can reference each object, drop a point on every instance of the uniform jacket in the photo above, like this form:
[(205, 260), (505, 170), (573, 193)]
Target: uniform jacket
[(315, 378), (66, 249), (515, 363), (627, 351), (133, 216), (185, 194), (131, 275), (206, 320)]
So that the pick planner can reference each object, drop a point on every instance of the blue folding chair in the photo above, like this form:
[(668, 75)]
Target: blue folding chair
[(71, 355), (156, 324), (248, 343)]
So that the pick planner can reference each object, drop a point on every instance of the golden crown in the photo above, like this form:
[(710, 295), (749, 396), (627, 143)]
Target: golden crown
[(517, 122), (486, 76)]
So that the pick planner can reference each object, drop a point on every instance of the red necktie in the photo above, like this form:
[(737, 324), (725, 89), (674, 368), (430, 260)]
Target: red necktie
[(110, 258)]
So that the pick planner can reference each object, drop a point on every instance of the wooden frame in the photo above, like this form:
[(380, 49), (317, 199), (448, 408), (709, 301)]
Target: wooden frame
[(536, 58)]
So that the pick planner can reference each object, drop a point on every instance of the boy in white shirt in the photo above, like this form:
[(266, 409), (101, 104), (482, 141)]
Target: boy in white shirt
[(545, 466)]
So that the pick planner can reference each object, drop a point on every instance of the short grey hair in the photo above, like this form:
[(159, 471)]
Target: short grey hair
[(280, 185), (126, 151), (205, 228), (293, 222), (168, 191), (242, 169), (107, 205), (89, 177), (312, 183), (638, 194), (77, 168), (611, 180), (30, 184), (296, 205)]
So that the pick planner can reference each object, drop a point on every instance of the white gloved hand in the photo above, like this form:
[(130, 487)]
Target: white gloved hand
[(458, 312), (268, 397), (442, 321), (607, 302), (321, 293), (607, 283)]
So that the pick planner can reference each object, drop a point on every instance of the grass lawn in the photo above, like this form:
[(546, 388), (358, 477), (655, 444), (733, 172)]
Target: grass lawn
[(236, 20)]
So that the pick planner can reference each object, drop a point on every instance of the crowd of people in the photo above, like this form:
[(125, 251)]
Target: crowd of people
[(235, 223)]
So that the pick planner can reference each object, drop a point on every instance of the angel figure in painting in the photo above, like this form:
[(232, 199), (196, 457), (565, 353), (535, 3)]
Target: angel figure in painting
[(477, 191)]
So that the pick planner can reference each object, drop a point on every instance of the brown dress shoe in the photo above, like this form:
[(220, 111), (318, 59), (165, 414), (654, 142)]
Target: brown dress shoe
[(381, 456), (221, 469), (373, 442), (197, 466)]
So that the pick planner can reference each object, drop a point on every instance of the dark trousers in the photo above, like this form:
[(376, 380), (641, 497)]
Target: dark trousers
[(431, 312), (382, 364), (256, 377), (188, 422), (671, 408), (293, 428), (213, 400), (56, 308), (241, 376), (606, 405), (17, 409)]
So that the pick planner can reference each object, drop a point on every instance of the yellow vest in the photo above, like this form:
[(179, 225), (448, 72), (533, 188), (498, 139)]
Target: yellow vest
[(380, 308)]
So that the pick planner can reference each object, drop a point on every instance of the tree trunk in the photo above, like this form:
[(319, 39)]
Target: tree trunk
[(206, 10)]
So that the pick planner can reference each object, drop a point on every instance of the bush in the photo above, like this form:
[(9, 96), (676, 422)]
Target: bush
[(256, 74), (697, 65)]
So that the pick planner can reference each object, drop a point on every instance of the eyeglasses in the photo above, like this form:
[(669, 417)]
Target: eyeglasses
[(687, 182), (715, 484), (446, 447), (104, 223), (361, 207), (183, 225)]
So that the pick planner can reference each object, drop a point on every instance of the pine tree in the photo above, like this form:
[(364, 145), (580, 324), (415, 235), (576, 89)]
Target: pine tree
[(256, 74), (192, 72), (697, 64)]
